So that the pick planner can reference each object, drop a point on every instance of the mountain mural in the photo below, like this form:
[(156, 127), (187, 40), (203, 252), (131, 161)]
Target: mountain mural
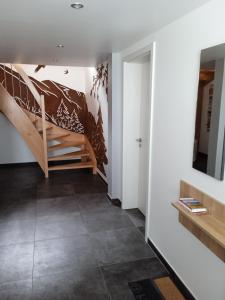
[(65, 107)]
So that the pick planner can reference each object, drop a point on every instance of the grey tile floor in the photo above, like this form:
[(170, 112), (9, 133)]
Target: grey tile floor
[(61, 239)]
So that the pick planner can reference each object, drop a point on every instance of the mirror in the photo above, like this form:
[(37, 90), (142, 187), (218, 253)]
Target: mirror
[(208, 154)]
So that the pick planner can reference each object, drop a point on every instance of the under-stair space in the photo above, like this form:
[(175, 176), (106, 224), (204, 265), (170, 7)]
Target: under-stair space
[(55, 148)]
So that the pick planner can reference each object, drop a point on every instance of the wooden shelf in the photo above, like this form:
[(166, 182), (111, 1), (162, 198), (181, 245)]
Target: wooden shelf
[(209, 228)]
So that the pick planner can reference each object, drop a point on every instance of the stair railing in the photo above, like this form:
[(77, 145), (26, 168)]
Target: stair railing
[(39, 99)]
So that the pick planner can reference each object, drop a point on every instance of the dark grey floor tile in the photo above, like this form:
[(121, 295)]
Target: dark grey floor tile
[(90, 188), (16, 262), (93, 202), (83, 285), (60, 190), (117, 276), (16, 232), (142, 230), (121, 245), (19, 290), (136, 217), (106, 220), (57, 206), (59, 226), (17, 210), (63, 255)]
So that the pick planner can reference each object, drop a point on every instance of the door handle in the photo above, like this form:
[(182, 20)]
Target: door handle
[(139, 140)]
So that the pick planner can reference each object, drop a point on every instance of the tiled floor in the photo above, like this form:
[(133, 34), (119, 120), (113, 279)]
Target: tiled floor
[(61, 239)]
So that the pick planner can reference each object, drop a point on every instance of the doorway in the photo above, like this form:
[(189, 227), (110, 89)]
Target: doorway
[(137, 124)]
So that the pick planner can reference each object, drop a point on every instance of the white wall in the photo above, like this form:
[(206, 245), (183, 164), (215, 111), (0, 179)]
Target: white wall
[(13, 149), (115, 127), (178, 48), (75, 79)]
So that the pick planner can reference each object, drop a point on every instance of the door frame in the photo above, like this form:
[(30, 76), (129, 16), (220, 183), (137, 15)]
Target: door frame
[(149, 49)]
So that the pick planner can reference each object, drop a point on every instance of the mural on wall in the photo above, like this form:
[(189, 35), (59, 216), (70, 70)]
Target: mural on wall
[(97, 124), (65, 106)]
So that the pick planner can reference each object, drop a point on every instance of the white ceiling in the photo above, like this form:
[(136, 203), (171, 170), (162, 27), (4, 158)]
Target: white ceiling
[(30, 30)]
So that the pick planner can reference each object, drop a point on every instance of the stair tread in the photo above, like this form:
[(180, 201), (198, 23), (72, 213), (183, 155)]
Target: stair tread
[(54, 136), (47, 128), (80, 165), (70, 155), (63, 145)]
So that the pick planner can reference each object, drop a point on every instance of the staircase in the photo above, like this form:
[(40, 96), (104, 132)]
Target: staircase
[(54, 148)]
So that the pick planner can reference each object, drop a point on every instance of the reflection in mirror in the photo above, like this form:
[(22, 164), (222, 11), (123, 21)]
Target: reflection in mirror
[(208, 156)]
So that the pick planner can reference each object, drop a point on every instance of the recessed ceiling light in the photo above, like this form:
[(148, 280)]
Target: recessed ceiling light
[(60, 46), (77, 5)]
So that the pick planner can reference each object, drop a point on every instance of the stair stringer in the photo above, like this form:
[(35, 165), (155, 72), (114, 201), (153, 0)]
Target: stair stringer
[(23, 125)]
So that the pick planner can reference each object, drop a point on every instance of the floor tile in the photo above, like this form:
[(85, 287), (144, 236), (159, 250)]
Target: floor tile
[(58, 226), (63, 255), (83, 285), (19, 290), (92, 202), (121, 245), (16, 262), (136, 217), (106, 220), (57, 206), (16, 232), (17, 210), (60, 190), (117, 276)]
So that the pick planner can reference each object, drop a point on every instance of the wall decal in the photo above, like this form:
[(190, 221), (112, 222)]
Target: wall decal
[(100, 79), (97, 102), (38, 68), (65, 106)]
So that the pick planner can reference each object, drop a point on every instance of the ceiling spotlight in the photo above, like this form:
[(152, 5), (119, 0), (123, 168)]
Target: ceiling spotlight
[(77, 5), (60, 46)]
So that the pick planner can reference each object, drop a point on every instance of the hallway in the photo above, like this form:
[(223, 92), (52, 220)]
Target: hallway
[(63, 239)]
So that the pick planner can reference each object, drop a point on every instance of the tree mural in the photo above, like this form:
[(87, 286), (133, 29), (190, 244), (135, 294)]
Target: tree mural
[(97, 140), (100, 79)]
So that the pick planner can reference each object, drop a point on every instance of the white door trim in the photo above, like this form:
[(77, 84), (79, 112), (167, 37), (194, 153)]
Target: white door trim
[(143, 51)]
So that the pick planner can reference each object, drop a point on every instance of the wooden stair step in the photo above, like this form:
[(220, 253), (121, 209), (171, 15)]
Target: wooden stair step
[(63, 145), (47, 128), (67, 156), (80, 165), (52, 137)]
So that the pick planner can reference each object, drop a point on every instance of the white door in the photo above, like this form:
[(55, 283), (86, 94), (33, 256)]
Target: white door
[(135, 133), (144, 135)]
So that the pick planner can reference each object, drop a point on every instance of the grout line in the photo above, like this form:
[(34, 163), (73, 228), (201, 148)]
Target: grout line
[(105, 284)]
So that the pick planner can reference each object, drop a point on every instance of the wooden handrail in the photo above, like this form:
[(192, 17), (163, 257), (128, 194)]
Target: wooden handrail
[(29, 83), (23, 124)]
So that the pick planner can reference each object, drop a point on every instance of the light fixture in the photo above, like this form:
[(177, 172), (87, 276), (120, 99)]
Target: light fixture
[(60, 46), (77, 5)]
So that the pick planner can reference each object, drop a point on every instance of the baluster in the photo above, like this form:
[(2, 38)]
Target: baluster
[(20, 89), (12, 81), (5, 78)]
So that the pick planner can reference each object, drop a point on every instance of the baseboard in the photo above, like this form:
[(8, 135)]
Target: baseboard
[(103, 177), (114, 201), (177, 281), (16, 165)]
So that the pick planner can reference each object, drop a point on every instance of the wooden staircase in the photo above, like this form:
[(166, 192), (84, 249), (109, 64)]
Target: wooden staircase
[(55, 148), (76, 147)]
